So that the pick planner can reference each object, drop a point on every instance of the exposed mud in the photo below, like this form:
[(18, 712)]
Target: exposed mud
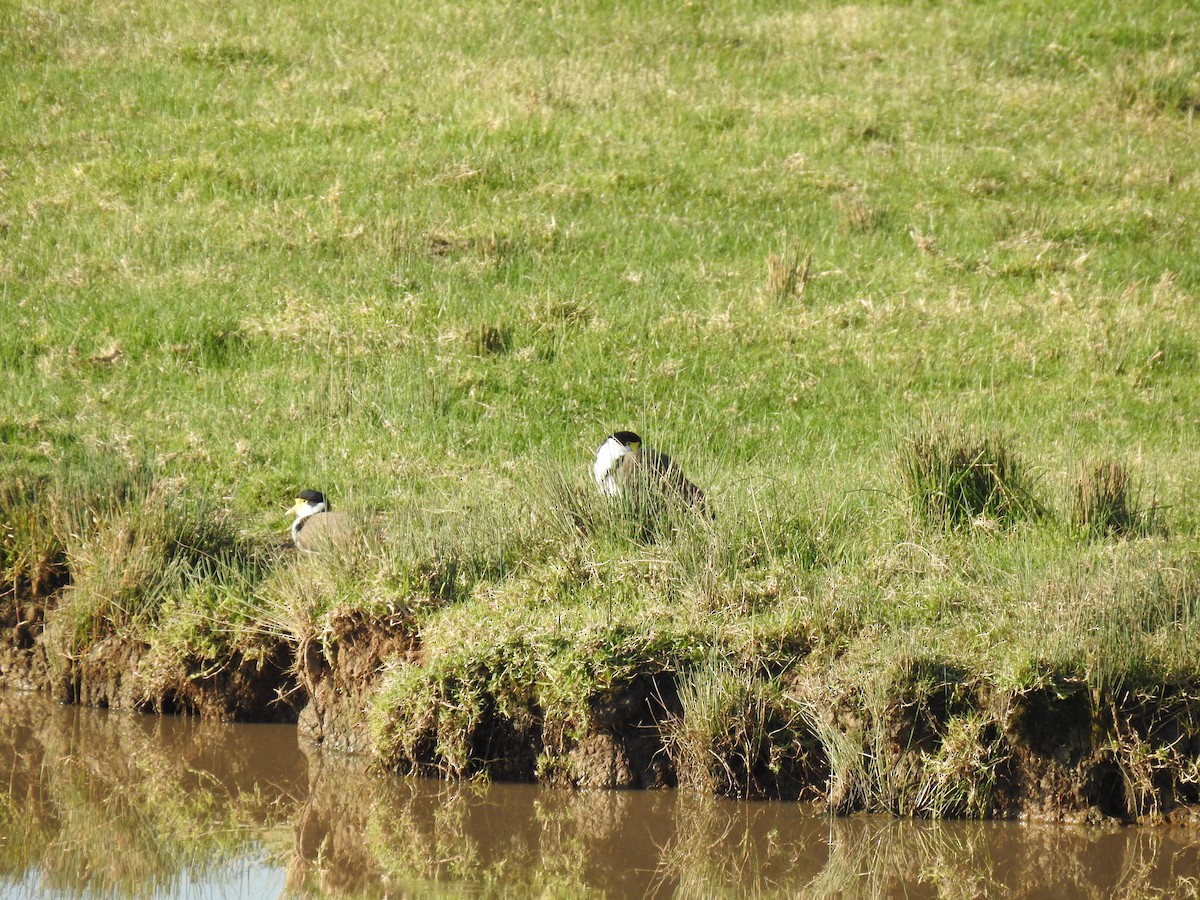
[(255, 684), (250, 685), (23, 664), (339, 670)]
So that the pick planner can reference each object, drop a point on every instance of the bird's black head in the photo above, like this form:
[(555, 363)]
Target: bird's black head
[(628, 438), (311, 496)]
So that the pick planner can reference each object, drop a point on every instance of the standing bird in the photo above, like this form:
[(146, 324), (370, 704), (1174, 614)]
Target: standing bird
[(622, 462), (315, 526)]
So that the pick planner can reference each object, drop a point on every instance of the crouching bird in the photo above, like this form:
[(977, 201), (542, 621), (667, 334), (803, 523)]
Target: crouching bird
[(315, 526), (624, 464)]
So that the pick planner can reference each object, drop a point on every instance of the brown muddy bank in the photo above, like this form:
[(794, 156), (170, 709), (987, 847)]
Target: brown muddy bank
[(1056, 751), (251, 683)]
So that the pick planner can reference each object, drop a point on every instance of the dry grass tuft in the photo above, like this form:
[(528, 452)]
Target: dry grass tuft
[(1104, 504), (788, 275), (736, 735), (859, 215), (1158, 83)]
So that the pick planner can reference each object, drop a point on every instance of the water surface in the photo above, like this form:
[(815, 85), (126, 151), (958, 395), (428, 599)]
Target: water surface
[(101, 804)]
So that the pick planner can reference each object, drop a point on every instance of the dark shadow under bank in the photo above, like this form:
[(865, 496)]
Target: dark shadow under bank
[(944, 743)]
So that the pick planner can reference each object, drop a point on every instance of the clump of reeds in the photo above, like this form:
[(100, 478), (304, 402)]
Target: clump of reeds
[(1159, 83), (788, 275), (857, 214), (32, 556), (43, 509), (1106, 502), (918, 744), (491, 340), (958, 478)]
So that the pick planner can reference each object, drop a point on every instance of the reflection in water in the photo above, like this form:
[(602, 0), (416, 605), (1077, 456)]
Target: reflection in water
[(103, 804), (133, 805)]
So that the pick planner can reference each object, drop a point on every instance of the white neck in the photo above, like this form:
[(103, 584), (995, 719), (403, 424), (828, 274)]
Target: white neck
[(607, 457), (302, 513)]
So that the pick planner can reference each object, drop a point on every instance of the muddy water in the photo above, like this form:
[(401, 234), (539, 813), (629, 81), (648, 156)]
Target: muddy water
[(98, 804)]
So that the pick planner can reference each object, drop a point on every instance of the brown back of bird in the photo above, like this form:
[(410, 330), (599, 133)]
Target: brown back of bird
[(325, 530)]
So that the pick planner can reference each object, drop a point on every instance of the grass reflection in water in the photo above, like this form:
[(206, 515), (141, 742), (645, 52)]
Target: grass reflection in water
[(100, 804), (121, 805)]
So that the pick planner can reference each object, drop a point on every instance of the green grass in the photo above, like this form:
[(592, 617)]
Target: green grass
[(425, 259)]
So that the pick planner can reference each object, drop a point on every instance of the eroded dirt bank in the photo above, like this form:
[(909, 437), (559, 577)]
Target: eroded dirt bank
[(248, 683), (1054, 751)]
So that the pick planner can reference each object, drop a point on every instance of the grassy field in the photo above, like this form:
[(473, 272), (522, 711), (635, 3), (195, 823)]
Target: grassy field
[(837, 259)]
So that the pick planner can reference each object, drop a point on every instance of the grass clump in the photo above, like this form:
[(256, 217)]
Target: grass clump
[(917, 739), (788, 275), (32, 554), (513, 690), (47, 508), (738, 735), (646, 512), (1125, 618), (1106, 503), (956, 478), (162, 561)]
